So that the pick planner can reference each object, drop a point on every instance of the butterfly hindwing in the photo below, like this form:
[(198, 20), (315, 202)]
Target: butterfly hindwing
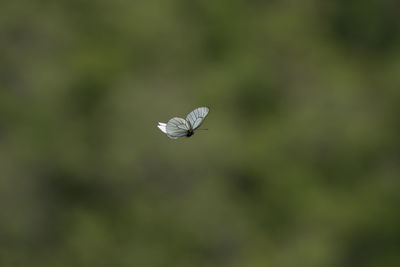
[(162, 126), (177, 127)]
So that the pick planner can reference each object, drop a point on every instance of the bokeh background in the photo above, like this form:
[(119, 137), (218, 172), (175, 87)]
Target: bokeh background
[(299, 167)]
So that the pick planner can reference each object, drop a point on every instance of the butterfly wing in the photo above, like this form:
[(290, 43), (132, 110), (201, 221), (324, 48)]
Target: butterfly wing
[(162, 126), (196, 117), (177, 127)]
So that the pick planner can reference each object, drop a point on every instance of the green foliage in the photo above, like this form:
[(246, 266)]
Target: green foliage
[(299, 167)]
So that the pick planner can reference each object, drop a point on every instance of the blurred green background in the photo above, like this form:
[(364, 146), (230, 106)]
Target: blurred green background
[(300, 166)]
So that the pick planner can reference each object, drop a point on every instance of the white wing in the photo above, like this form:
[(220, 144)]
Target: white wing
[(177, 127), (162, 126), (196, 117)]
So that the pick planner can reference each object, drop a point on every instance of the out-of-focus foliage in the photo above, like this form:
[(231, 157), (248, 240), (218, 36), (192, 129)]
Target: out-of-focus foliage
[(300, 166)]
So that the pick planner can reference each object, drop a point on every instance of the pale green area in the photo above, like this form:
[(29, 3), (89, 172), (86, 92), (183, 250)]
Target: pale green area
[(300, 165)]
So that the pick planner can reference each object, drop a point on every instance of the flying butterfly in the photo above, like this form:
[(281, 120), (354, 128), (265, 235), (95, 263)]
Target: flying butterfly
[(178, 127)]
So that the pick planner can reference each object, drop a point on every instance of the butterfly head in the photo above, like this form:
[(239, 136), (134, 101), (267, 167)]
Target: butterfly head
[(190, 132)]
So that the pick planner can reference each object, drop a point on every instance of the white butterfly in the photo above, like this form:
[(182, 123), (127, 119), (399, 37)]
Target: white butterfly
[(178, 127)]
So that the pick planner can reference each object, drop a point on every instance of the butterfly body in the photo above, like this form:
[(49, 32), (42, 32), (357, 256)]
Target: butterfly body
[(190, 132), (178, 127)]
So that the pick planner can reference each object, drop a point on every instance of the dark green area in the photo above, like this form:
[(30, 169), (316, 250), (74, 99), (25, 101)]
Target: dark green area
[(300, 165)]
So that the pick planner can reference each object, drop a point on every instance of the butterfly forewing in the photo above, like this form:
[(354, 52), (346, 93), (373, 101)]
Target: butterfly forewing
[(196, 117), (177, 127)]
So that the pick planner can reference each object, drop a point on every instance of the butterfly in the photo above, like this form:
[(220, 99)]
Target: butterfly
[(178, 127)]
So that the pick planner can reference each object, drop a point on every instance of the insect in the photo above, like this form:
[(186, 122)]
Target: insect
[(178, 127)]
